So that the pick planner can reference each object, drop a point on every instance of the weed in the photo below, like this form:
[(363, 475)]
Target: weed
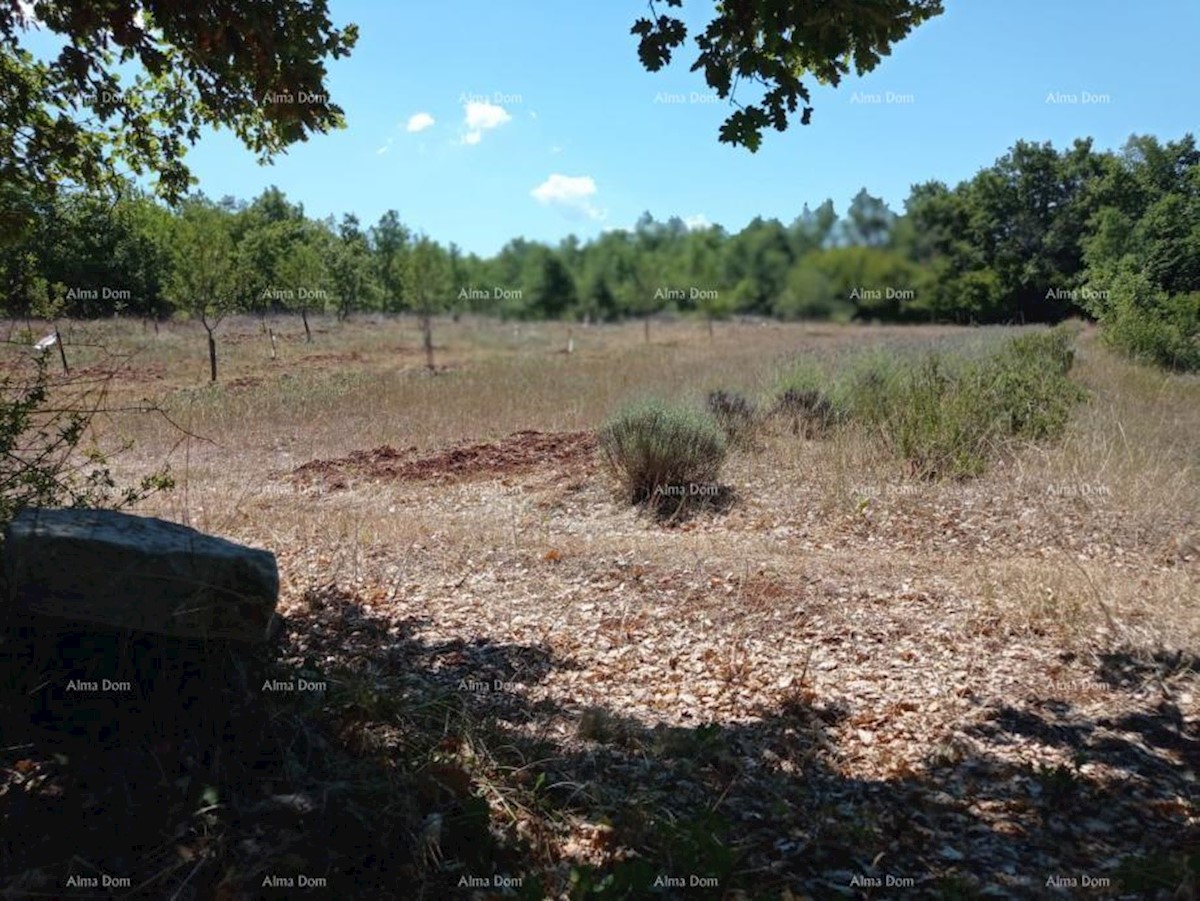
[(736, 415)]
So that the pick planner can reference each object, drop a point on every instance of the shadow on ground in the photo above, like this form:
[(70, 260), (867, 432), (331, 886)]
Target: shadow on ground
[(358, 761)]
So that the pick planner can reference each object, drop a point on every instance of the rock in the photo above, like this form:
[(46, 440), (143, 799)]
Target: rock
[(137, 572)]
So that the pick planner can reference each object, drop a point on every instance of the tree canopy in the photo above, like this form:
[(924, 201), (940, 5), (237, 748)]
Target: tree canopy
[(774, 44), (81, 119), (1040, 234)]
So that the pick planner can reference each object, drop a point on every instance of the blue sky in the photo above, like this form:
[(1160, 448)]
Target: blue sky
[(536, 119)]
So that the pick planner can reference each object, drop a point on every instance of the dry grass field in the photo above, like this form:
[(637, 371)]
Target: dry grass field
[(848, 683)]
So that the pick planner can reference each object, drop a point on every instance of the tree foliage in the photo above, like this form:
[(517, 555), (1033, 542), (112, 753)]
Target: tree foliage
[(1040, 235), (773, 45), (82, 118)]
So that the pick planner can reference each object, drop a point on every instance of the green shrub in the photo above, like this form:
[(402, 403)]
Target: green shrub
[(664, 455), (1056, 345), (1165, 332), (947, 413), (1026, 386), (866, 388), (927, 419)]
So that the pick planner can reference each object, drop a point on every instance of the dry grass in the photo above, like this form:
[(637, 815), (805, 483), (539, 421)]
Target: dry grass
[(1129, 461), (834, 578)]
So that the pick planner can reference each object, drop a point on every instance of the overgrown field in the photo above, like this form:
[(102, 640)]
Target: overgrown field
[(932, 633)]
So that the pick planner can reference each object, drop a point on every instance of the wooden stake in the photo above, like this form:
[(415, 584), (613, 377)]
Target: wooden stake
[(62, 352)]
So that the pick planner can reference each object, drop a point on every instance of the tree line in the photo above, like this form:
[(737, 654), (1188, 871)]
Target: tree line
[(1039, 235)]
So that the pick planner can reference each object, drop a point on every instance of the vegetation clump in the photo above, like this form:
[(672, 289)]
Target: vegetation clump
[(46, 456), (664, 456), (808, 409), (736, 414), (945, 414)]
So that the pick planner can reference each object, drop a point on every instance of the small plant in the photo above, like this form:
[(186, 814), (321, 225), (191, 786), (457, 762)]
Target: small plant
[(736, 415), (808, 409), (44, 458), (1059, 783), (664, 456), (811, 399)]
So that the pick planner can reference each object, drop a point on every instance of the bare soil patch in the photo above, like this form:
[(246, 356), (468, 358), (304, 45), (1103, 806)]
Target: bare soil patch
[(519, 452)]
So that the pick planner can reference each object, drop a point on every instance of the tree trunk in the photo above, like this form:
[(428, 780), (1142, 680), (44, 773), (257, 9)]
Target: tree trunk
[(427, 334), (307, 331), (271, 336), (646, 328), (212, 355)]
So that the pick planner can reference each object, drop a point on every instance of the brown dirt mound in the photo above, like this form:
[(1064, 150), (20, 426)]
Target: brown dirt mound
[(518, 452)]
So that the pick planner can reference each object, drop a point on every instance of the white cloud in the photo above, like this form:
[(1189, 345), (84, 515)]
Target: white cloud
[(419, 122), (480, 117), (387, 145), (697, 222), (555, 148), (569, 194)]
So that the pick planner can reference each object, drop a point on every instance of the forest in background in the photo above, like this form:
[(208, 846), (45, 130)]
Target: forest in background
[(1040, 235)]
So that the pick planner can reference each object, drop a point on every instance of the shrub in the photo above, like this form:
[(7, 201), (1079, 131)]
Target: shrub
[(1055, 345), (1165, 332), (1026, 385), (865, 390), (663, 455), (951, 417), (43, 460), (948, 413), (936, 426), (804, 398), (809, 409), (736, 415)]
